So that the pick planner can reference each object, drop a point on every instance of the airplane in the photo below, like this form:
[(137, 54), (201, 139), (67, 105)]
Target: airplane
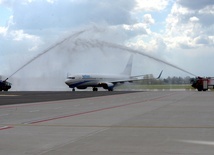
[(82, 81)]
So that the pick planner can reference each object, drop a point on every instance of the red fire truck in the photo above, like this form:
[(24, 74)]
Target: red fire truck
[(202, 83)]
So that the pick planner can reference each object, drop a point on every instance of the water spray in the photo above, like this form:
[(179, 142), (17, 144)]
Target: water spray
[(95, 44), (146, 55), (101, 44), (73, 36)]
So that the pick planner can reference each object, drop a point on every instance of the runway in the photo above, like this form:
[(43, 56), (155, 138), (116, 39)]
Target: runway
[(148, 123), (17, 97)]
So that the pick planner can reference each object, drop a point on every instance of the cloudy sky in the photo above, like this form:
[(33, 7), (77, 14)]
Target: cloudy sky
[(177, 31)]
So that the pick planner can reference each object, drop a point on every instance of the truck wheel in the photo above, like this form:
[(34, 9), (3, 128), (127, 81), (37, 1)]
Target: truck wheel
[(199, 89)]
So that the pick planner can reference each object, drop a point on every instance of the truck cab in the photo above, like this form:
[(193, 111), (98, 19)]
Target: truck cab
[(4, 85), (202, 83)]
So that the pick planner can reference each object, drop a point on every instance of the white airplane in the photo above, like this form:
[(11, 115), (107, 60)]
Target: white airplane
[(106, 81)]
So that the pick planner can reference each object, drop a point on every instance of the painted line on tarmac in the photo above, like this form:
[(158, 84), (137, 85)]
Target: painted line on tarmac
[(106, 126), (96, 110), (210, 143), (86, 112), (8, 95), (5, 127)]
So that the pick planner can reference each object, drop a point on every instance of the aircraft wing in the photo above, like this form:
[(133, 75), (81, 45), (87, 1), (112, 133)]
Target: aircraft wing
[(148, 75), (136, 78)]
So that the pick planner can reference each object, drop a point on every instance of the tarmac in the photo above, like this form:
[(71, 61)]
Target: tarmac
[(19, 97), (107, 123)]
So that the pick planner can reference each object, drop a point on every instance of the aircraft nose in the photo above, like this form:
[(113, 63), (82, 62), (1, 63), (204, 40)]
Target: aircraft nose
[(67, 81)]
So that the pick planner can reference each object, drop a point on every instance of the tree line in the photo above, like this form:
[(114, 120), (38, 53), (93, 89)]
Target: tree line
[(150, 79)]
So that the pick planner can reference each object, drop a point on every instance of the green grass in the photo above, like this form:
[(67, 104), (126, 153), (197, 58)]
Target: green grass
[(173, 86)]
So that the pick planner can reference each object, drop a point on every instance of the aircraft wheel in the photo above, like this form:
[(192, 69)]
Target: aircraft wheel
[(95, 89), (73, 89), (110, 89)]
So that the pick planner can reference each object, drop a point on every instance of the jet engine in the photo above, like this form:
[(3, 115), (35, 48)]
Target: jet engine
[(107, 85)]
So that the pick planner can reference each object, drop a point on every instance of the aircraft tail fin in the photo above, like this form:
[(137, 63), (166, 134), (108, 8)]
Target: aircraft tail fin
[(128, 68)]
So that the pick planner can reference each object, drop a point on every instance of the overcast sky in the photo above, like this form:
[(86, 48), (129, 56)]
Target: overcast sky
[(178, 31)]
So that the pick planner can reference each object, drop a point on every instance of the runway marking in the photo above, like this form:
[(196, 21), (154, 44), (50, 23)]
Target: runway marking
[(4, 115), (34, 110), (211, 143), (5, 127), (58, 108), (86, 112), (108, 126), (8, 95), (96, 110)]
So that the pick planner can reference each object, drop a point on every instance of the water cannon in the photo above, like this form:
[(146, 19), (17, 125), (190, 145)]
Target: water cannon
[(5, 79), (4, 85)]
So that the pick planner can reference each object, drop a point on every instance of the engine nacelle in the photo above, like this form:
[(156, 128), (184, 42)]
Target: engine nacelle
[(107, 85), (81, 87)]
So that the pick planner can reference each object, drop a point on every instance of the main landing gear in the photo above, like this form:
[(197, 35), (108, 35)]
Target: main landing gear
[(110, 89), (95, 89)]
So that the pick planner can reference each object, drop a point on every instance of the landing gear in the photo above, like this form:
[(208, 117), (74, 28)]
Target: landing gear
[(95, 89), (110, 89), (73, 89)]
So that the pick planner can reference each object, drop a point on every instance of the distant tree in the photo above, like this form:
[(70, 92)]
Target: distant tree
[(150, 79), (177, 80)]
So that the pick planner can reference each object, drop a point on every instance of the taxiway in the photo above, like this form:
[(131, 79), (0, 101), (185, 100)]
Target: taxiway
[(148, 123)]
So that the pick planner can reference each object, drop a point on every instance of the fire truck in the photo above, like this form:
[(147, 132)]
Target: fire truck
[(4, 85), (202, 83)]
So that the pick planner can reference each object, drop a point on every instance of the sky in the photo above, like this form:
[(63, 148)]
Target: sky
[(180, 32)]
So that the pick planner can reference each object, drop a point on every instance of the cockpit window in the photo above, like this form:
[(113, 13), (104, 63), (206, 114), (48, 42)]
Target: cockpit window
[(8, 84), (71, 77)]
